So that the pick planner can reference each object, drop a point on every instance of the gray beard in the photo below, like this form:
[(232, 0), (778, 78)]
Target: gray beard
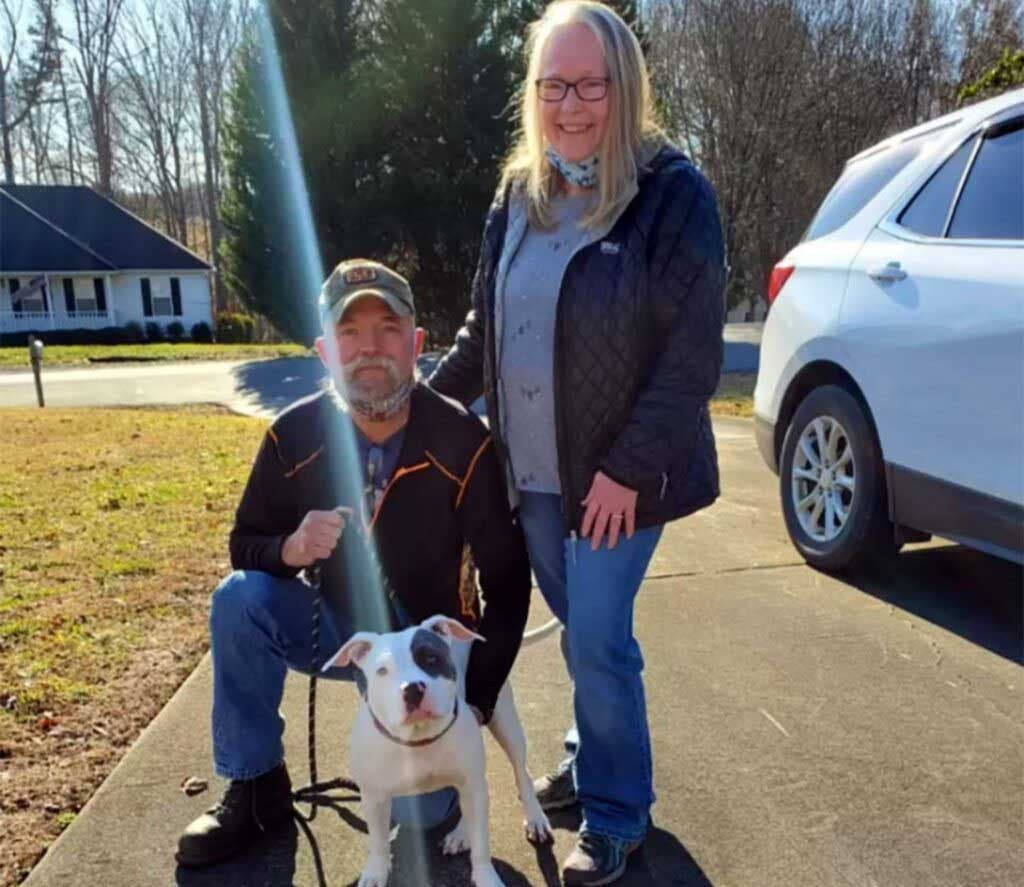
[(374, 409)]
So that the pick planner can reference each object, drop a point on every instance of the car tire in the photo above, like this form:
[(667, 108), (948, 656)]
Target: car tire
[(835, 507)]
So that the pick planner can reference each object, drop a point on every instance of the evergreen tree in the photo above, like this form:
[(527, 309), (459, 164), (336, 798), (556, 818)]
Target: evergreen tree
[(403, 113)]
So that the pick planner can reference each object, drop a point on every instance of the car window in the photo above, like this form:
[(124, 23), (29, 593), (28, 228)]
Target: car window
[(992, 203), (928, 211), (859, 182)]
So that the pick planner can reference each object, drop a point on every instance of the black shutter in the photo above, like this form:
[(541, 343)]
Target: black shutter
[(15, 303), (15, 285), (101, 294), (69, 295), (176, 296), (147, 298)]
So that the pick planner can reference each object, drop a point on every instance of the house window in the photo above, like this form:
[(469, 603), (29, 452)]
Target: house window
[(156, 300), (75, 302), (30, 303), (162, 305)]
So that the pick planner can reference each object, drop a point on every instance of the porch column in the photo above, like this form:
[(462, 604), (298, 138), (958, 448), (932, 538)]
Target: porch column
[(48, 298)]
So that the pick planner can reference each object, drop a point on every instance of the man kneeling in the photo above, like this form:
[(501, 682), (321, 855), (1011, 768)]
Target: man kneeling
[(425, 485)]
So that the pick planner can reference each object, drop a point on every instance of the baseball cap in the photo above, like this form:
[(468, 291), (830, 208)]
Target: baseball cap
[(355, 279)]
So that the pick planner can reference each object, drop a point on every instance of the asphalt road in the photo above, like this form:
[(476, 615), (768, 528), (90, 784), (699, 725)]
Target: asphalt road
[(808, 731), (254, 387)]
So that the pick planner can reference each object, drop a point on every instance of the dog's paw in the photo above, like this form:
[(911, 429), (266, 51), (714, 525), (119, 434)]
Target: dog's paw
[(456, 841), (486, 876), (538, 829), (375, 874)]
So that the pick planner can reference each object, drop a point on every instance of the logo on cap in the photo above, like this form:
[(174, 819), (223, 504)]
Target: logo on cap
[(360, 274)]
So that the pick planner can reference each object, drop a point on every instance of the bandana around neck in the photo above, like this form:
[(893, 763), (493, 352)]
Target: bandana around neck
[(582, 174)]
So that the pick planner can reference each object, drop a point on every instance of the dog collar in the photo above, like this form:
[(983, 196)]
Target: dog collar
[(412, 743)]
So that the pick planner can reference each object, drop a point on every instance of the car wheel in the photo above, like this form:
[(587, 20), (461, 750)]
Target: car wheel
[(832, 483)]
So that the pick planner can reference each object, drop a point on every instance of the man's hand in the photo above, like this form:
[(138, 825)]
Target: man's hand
[(315, 539), (610, 506)]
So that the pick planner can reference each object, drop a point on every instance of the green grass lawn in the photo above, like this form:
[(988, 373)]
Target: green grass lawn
[(72, 355)]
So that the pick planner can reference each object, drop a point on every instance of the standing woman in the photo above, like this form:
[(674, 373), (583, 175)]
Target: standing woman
[(596, 335)]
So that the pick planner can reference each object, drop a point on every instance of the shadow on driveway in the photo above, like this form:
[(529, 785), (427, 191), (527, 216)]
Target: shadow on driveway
[(417, 859), (972, 594), (274, 384)]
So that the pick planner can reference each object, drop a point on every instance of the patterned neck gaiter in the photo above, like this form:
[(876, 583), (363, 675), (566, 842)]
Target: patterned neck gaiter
[(582, 174)]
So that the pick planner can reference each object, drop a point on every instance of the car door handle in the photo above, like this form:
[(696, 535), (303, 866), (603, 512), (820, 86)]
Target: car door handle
[(888, 274)]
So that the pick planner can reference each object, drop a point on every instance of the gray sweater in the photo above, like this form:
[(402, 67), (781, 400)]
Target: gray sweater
[(530, 301)]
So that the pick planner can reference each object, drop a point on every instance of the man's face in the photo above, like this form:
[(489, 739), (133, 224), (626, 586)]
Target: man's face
[(377, 350)]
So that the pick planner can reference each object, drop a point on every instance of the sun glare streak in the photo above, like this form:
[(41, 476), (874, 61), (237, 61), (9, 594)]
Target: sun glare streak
[(367, 603)]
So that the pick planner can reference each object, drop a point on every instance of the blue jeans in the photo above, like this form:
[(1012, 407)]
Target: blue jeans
[(260, 626), (592, 593)]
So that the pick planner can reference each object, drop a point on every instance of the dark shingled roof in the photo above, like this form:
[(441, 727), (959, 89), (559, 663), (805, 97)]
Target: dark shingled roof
[(73, 228)]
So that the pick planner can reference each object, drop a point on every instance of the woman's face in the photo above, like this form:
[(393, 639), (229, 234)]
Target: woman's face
[(573, 127)]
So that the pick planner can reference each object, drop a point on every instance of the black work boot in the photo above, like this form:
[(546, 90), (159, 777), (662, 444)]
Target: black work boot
[(249, 808), (557, 790)]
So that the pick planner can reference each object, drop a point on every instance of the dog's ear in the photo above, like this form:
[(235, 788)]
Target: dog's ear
[(450, 629), (353, 651)]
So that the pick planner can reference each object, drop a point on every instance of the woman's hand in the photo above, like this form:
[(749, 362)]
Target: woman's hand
[(610, 506)]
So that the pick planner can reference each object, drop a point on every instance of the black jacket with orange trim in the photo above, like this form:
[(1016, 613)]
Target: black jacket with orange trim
[(446, 502)]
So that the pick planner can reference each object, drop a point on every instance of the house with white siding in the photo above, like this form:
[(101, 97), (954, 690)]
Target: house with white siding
[(71, 258)]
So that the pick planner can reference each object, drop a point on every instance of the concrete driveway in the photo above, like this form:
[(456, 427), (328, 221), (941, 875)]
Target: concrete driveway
[(808, 731)]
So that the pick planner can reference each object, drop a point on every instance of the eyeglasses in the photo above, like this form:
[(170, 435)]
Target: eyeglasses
[(589, 89)]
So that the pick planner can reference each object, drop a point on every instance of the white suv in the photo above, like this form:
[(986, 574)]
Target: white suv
[(890, 395)]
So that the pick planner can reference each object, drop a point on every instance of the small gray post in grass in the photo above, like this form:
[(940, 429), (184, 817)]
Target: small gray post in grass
[(35, 353)]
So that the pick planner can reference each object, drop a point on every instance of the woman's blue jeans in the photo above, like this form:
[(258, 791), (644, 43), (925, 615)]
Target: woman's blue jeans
[(592, 593), (260, 626)]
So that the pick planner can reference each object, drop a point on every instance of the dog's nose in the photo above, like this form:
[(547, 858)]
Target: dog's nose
[(413, 694)]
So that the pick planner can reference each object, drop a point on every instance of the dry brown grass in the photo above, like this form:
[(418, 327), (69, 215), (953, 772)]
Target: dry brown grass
[(113, 527)]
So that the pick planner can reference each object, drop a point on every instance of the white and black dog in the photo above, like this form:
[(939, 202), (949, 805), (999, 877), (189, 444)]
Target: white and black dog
[(414, 733)]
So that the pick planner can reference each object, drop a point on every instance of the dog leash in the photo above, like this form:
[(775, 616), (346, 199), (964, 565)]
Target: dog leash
[(316, 793)]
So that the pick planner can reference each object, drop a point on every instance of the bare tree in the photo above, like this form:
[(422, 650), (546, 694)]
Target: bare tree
[(93, 47), (155, 106), (35, 139), (28, 61), (772, 96), (214, 28), (986, 28), (73, 168)]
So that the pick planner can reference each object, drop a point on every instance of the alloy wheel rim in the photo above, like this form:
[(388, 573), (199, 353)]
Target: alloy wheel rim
[(823, 479)]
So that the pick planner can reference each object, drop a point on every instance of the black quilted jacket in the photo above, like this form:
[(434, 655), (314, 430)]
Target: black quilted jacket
[(638, 346)]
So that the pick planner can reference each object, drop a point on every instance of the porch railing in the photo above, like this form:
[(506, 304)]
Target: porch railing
[(27, 321)]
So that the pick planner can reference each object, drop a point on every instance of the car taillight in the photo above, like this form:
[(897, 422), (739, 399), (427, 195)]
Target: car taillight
[(777, 279)]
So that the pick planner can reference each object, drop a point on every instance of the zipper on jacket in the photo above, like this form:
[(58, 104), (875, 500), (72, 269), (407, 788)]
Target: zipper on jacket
[(563, 449), (664, 484)]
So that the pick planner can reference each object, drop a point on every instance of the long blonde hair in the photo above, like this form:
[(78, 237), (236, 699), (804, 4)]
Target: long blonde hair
[(631, 118)]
